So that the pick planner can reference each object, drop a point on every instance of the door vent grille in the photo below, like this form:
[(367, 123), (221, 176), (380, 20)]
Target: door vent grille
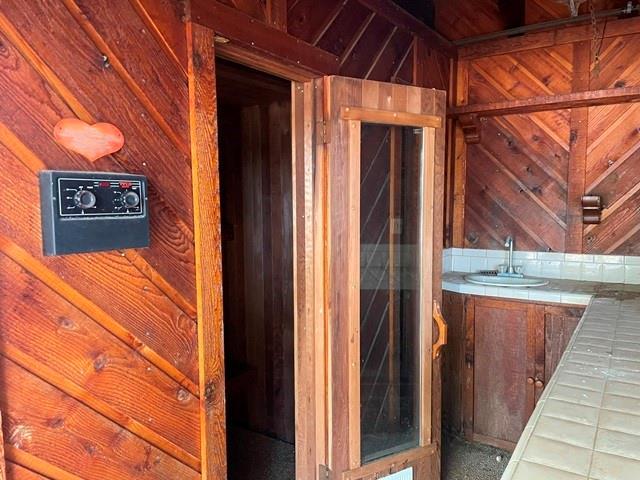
[(406, 474)]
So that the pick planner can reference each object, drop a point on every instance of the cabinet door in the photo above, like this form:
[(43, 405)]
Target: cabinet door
[(508, 358), (559, 325), (453, 363)]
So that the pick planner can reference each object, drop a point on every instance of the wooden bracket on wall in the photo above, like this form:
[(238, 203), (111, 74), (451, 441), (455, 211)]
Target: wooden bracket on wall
[(591, 209), (471, 127)]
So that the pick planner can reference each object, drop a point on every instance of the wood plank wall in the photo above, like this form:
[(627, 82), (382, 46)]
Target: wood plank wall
[(368, 42), (258, 264), (106, 343), (537, 11), (458, 19), (527, 174)]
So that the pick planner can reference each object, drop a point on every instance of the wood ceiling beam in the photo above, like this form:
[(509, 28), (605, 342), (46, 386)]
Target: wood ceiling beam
[(547, 38), (555, 102), (255, 43)]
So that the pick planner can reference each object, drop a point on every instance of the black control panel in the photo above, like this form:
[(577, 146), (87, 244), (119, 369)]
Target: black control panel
[(99, 197), (93, 211)]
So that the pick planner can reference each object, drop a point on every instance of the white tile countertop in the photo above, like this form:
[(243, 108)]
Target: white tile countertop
[(586, 425), (558, 290)]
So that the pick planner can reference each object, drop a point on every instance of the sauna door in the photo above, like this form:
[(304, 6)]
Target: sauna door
[(383, 148)]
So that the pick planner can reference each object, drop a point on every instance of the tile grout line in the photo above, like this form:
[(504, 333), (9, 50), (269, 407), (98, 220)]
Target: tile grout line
[(604, 389)]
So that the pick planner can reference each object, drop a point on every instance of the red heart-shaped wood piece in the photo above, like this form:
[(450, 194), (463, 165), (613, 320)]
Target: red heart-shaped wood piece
[(90, 141)]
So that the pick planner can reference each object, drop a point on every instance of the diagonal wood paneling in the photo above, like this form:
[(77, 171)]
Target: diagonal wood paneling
[(457, 19), (517, 176), (537, 11), (521, 75), (618, 65), (59, 337), (25, 86), (368, 44), (68, 434), (126, 319), (598, 146), (516, 184), (613, 169), (104, 330), (613, 151)]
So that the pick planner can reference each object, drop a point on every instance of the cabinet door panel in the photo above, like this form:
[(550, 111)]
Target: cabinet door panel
[(453, 362), (560, 323), (504, 351)]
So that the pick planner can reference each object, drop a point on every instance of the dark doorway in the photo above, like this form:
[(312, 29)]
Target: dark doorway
[(254, 118)]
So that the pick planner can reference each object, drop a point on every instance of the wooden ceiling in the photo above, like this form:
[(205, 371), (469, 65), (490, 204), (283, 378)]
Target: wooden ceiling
[(457, 19)]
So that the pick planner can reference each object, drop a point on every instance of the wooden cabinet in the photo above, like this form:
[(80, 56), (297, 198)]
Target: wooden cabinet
[(505, 355), (500, 355)]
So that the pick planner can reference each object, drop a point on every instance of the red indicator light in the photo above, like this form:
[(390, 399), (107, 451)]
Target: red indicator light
[(103, 184), (125, 184)]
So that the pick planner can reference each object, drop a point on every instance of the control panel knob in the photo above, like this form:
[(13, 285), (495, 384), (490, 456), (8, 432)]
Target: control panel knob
[(130, 199), (84, 199)]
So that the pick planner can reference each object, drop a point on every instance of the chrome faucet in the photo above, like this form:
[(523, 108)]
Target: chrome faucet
[(511, 270), (509, 244)]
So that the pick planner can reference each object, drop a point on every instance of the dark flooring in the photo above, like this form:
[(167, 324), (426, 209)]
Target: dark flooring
[(462, 460), (253, 456), (258, 457)]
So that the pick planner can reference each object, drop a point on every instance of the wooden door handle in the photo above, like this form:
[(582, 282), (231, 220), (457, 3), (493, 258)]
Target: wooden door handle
[(539, 383), (531, 380), (442, 330)]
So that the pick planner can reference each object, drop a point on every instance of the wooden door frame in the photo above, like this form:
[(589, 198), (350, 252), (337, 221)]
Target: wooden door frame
[(308, 213), (3, 470), (310, 231)]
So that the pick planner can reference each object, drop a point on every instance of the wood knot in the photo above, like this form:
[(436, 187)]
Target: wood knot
[(620, 84), (148, 462), (99, 362), (89, 447), (573, 137), (182, 395), (197, 61), (209, 392), (56, 423), (66, 323)]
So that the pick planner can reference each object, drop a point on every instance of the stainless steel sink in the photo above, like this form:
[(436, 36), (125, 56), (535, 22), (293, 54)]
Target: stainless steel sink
[(497, 281)]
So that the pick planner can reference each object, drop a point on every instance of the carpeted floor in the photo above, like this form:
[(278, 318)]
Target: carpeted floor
[(253, 456), (462, 460)]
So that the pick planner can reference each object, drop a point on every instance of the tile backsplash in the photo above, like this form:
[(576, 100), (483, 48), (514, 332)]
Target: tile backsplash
[(570, 266)]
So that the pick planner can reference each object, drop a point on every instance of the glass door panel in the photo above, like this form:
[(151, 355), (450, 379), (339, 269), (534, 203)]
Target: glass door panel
[(391, 199)]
